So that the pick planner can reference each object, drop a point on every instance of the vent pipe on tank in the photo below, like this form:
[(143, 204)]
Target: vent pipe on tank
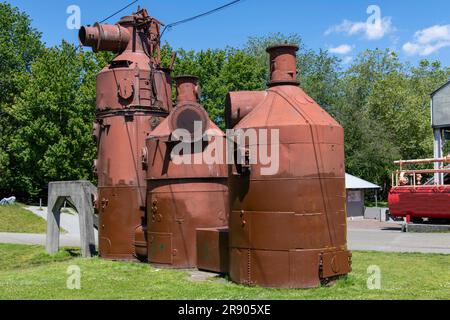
[(187, 89), (283, 65), (189, 115), (105, 37)]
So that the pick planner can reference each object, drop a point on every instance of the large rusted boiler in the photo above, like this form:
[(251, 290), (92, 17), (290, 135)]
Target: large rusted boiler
[(187, 187), (287, 226), (133, 95), (265, 203)]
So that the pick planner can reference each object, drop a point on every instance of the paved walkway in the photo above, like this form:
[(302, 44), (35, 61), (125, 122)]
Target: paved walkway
[(69, 222), (65, 240), (362, 235), (397, 241)]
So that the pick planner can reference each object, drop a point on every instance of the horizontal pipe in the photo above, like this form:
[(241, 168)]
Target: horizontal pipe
[(425, 171), (423, 161), (105, 37), (239, 104)]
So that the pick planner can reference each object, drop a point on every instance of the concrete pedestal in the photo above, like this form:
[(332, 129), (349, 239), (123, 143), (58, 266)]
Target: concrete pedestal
[(79, 194)]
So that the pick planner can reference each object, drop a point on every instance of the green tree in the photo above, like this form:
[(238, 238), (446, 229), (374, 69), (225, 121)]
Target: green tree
[(385, 112), (47, 101), (369, 148), (20, 44), (54, 114), (233, 69), (220, 71)]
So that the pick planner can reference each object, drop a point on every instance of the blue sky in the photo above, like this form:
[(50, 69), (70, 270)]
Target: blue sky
[(415, 29)]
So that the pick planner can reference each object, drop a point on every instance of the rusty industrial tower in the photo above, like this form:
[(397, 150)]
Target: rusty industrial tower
[(283, 229)]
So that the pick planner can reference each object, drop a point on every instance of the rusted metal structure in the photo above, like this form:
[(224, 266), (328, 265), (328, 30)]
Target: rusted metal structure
[(185, 191), (133, 96), (287, 229), (414, 197), (164, 176)]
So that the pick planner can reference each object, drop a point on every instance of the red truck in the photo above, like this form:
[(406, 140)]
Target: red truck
[(412, 198)]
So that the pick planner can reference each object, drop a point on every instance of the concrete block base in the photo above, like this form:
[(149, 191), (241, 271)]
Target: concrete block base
[(79, 194), (425, 228)]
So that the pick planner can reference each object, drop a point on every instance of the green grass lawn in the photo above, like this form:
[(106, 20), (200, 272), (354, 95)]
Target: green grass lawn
[(27, 272), (14, 218)]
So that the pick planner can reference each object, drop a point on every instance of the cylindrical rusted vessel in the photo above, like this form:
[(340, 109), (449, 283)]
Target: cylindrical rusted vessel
[(184, 195), (133, 96), (288, 224)]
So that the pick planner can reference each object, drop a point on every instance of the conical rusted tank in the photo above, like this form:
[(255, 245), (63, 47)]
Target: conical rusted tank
[(186, 191), (287, 224), (133, 96)]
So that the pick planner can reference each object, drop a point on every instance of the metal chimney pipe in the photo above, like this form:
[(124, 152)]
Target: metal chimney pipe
[(283, 65), (105, 37), (189, 114), (187, 89)]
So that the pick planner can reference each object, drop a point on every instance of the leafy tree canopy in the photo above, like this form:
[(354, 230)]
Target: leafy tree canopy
[(47, 101)]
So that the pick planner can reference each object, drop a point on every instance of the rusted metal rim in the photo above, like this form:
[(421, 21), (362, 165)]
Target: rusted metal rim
[(274, 83), (282, 46), (186, 76)]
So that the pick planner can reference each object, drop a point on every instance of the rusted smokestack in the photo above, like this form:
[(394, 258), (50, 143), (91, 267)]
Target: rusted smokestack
[(185, 192), (189, 114), (187, 89), (283, 65), (105, 37)]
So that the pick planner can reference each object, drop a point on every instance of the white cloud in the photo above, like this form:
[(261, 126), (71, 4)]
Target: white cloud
[(342, 49), (371, 30), (429, 40)]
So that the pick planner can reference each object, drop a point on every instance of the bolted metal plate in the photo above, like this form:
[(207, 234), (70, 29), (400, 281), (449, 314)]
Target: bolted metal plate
[(240, 265), (212, 249), (277, 230), (160, 248), (276, 269), (269, 268), (335, 264), (175, 208), (125, 88), (118, 221), (304, 268)]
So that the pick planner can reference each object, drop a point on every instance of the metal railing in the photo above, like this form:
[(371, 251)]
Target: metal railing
[(413, 178)]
